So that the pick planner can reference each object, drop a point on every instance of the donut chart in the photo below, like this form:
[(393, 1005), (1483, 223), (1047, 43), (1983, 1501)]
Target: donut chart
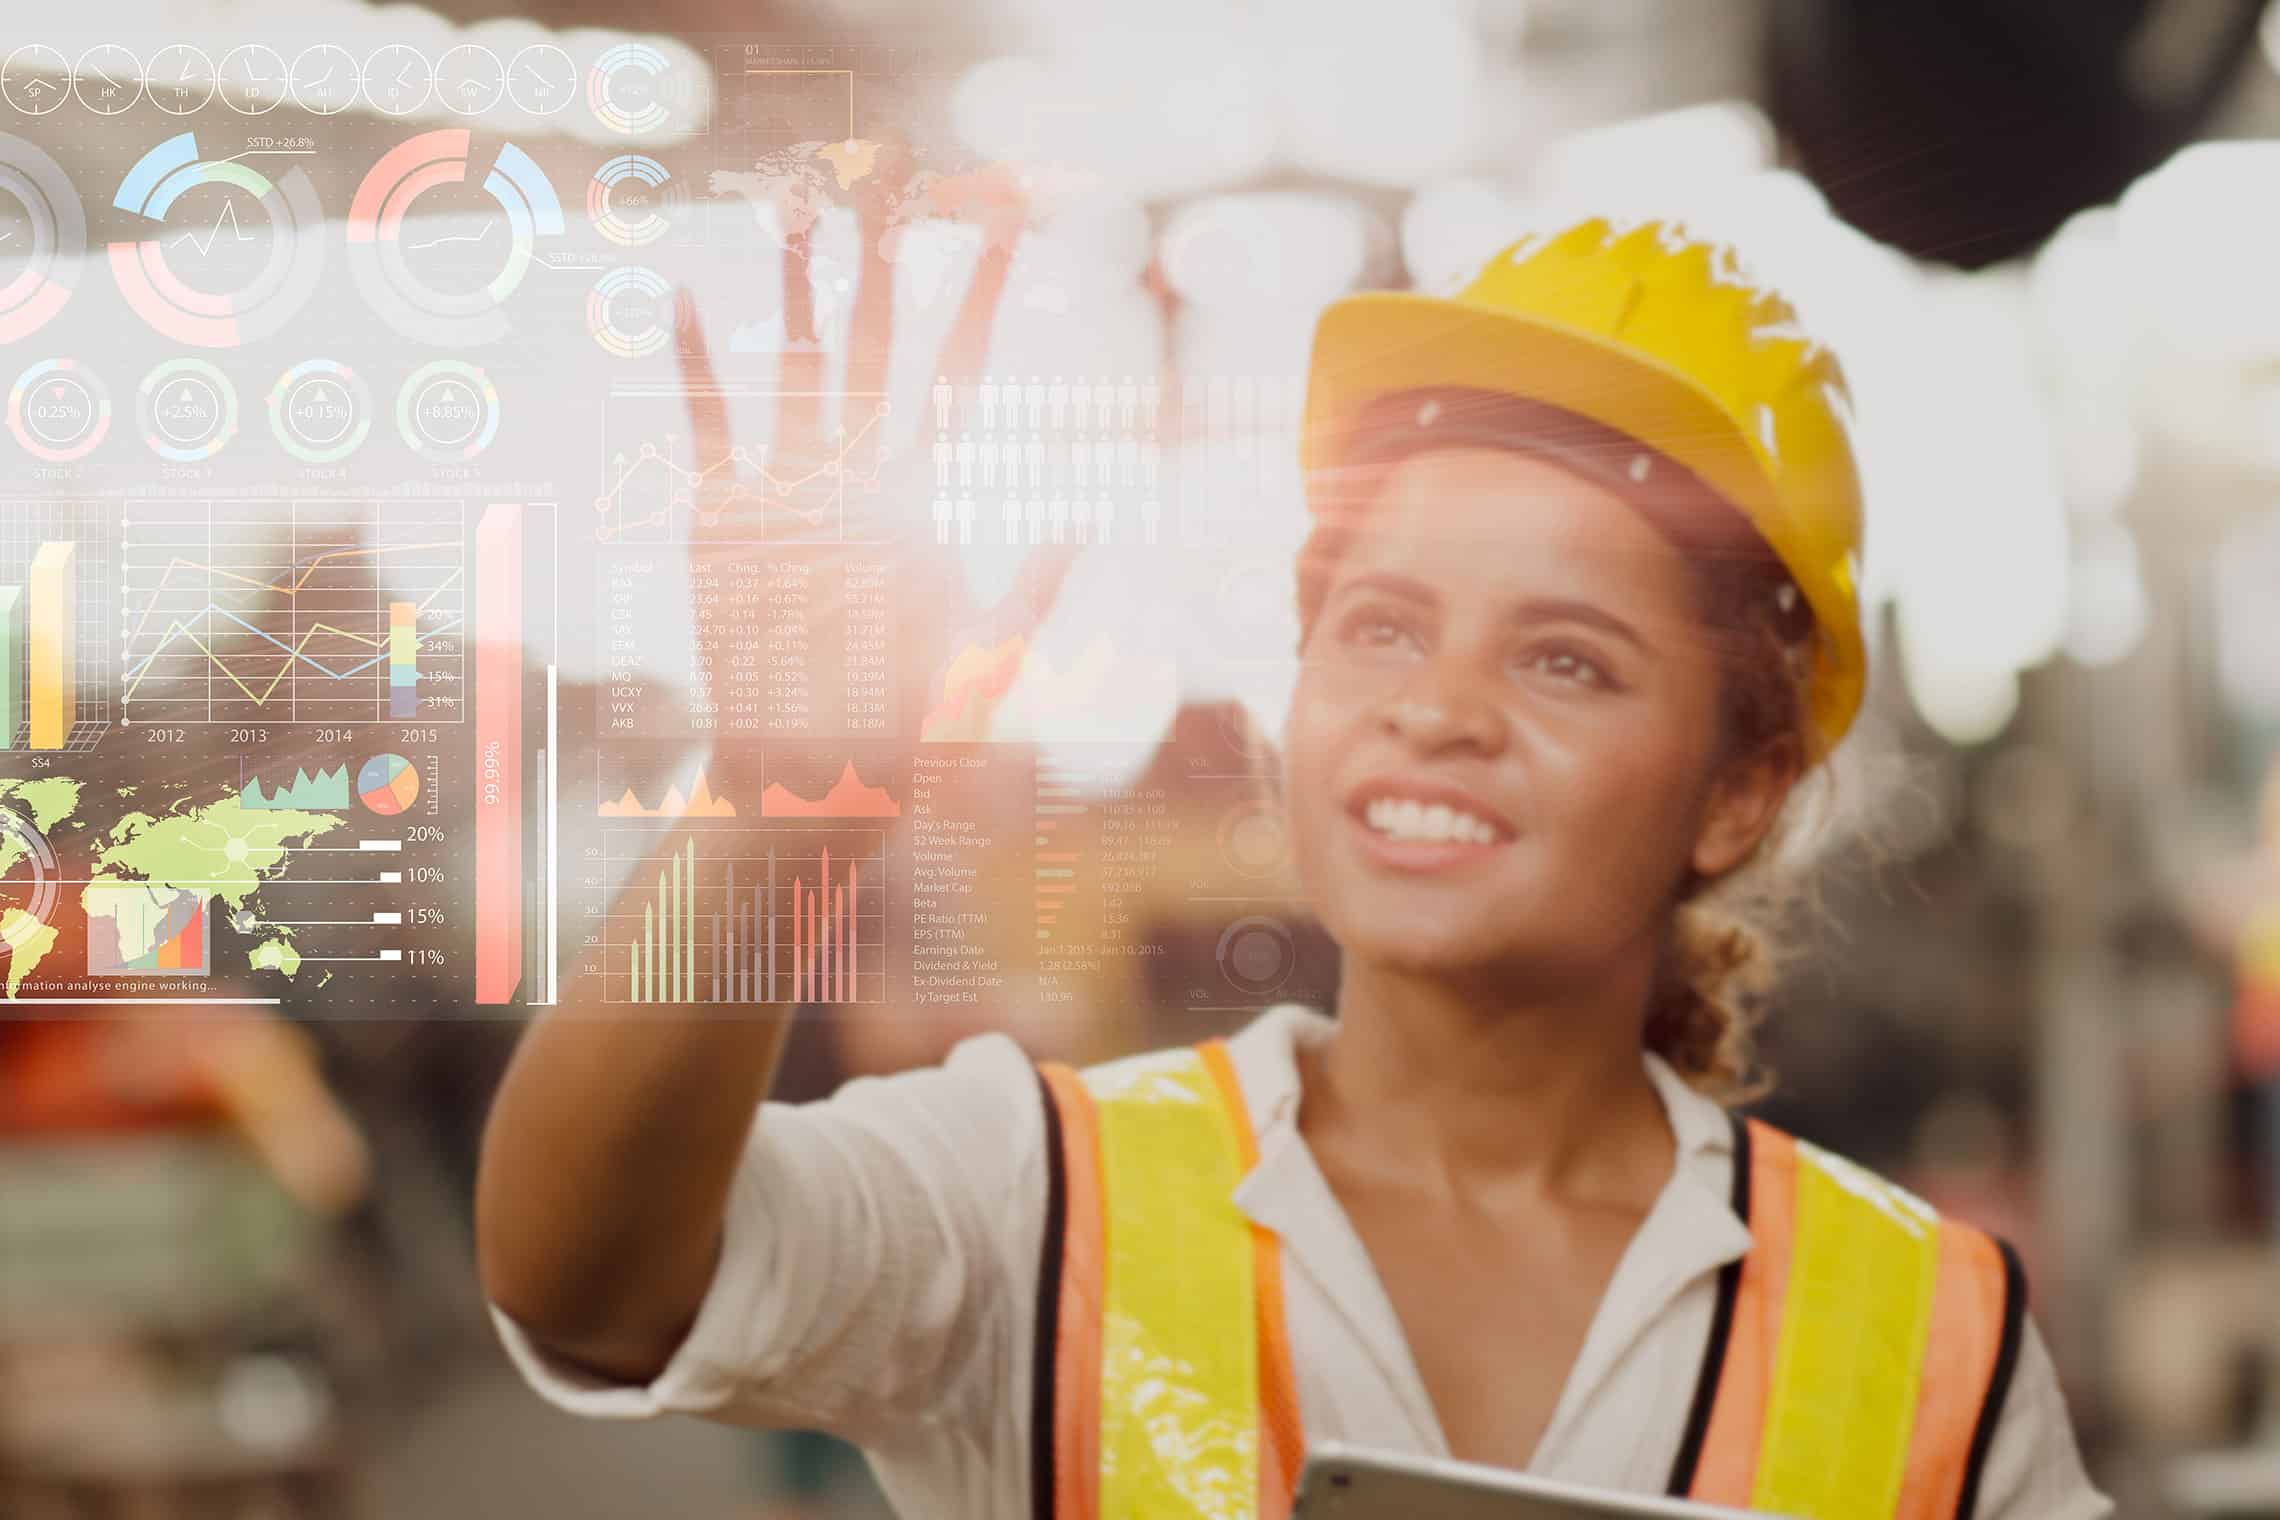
[(626, 89), (59, 410), (320, 410), (448, 411), (632, 198), (379, 240), (259, 306), (188, 410), (57, 228), (625, 311), (388, 784)]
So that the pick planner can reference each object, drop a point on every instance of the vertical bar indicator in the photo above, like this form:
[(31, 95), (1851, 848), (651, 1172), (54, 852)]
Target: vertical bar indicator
[(498, 752), (11, 661), (53, 661), (403, 660)]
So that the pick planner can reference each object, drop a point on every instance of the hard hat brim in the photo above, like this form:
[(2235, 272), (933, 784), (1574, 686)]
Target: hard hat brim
[(1379, 342)]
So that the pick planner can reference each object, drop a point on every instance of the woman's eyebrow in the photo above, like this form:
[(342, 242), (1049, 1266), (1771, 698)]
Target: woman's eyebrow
[(1554, 609), (1405, 588)]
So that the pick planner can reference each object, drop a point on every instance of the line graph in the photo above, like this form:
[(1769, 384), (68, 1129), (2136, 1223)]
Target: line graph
[(288, 612), (205, 244), (477, 238), (655, 486)]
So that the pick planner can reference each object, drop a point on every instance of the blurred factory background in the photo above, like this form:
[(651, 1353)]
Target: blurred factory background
[(2043, 984)]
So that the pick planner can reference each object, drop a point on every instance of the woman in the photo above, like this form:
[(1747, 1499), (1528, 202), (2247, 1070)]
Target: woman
[(1579, 610)]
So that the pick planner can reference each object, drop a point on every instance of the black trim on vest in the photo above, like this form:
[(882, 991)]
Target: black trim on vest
[(1999, 1381), (1721, 1330), (1043, 1436)]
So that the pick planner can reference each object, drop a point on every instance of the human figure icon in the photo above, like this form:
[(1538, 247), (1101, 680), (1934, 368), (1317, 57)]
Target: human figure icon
[(1035, 396), (942, 454), (1009, 456), (942, 519), (1127, 401), (1057, 400), (965, 519), (965, 459), (1036, 454), (1150, 396), (942, 395), (1082, 396), (989, 394), (1081, 510)]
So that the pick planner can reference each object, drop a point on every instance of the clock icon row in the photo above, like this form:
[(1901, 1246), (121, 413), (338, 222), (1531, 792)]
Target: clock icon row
[(324, 79)]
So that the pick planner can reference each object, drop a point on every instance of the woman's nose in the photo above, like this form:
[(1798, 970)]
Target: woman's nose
[(1442, 705)]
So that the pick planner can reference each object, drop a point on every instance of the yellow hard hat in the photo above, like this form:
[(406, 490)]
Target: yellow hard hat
[(1661, 337)]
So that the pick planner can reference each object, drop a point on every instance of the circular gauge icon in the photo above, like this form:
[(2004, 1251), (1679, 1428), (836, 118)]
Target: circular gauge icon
[(225, 254), (188, 410), (28, 883), (108, 79), (448, 412), (252, 78), (469, 79), (35, 78), (320, 411), (59, 411), (542, 79), (632, 199), (1257, 955), (447, 280), (1254, 839), (43, 233), (628, 88), (628, 309), (181, 79), (323, 79), (398, 79)]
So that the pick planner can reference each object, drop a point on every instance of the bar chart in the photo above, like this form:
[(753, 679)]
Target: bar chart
[(54, 585), (749, 916)]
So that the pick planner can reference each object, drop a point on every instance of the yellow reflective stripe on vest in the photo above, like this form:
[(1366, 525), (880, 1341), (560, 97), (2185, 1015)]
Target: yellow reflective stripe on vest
[(1855, 1320), (1179, 1395)]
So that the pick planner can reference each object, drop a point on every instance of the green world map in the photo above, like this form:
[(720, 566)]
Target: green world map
[(215, 852)]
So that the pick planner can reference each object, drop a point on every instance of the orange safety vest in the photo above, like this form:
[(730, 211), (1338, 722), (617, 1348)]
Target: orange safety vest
[(1857, 1359)]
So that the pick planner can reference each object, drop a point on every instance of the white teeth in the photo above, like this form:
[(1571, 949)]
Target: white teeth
[(1434, 823)]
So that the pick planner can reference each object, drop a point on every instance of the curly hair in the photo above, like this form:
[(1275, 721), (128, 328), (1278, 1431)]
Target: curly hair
[(1722, 953)]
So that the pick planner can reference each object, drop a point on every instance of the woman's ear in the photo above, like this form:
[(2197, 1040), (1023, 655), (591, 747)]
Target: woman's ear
[(1743, 805)]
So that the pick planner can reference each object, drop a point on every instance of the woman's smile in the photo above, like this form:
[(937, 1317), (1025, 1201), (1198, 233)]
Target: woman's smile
[(1420, 825)]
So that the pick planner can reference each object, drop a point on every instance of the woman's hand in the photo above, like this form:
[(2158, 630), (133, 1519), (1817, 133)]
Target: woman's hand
[(618, 1130)]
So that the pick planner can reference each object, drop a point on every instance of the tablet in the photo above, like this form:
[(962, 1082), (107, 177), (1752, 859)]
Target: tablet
[(1341, 1482)]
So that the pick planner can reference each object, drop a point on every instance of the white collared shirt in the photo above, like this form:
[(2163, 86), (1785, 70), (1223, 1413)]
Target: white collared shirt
[(878, 1280)]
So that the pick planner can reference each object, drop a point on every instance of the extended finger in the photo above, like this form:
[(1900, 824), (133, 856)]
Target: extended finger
[(711, 452)]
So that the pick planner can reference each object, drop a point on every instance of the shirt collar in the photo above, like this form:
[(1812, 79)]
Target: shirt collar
[(1265, 1056), (1691, 1229)]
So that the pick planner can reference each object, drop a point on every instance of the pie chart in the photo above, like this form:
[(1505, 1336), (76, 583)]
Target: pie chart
[(387, 784)]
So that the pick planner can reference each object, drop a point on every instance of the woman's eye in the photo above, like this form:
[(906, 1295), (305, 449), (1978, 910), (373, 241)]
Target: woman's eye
[(1568, 665), (1376, 630)]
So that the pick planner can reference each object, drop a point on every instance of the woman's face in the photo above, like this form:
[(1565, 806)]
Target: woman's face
[(1502, 746)]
